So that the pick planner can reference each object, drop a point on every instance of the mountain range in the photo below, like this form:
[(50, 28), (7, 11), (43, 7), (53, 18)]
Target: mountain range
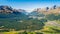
[(19, 19)]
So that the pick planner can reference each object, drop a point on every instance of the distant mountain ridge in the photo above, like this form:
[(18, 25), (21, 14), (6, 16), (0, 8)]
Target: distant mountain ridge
[(52, 10), (47, 10), (10, 13), (8, 9)]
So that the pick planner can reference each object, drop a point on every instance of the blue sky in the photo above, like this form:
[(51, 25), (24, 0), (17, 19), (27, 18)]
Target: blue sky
[(29, 4)]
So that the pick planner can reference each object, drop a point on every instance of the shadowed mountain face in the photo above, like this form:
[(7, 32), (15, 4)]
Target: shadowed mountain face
[(9, 12), (8, 9), (5, 8)]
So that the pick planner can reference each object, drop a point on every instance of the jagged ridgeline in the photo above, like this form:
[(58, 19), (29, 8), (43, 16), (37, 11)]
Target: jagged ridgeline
[(20, 20)]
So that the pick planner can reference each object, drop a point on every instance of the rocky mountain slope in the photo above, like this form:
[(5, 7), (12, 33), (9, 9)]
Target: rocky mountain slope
[(49, 10), (19, 19)]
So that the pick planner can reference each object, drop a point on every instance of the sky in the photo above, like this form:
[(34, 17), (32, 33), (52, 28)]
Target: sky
[(29, 5)]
